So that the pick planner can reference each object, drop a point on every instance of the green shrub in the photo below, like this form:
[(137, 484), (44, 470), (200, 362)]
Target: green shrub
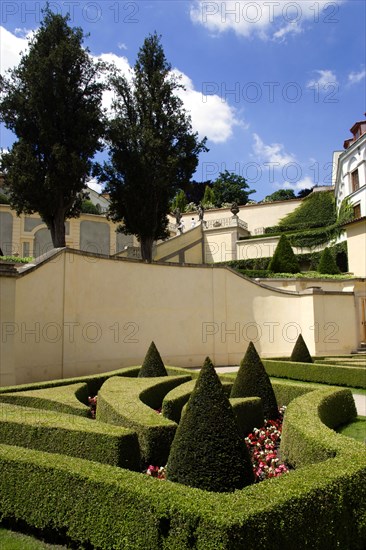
[(4, 199), (306, 438), (88, 207), (253, 381), (131, 402), (153, 364), (207, 451), (284, 259), (69, 435), (300, 353), (327, 263), (351, 377), (175, 400), (67, 399), (320, 506), (309, 260), (248, 412)]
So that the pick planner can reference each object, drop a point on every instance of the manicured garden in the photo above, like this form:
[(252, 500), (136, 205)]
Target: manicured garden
[(210, 435)]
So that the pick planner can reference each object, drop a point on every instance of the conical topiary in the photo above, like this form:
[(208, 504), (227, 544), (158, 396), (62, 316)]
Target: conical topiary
[(300, 353), (207, 451), (253, 381), (153, 364), (284, 259), (327, 263)]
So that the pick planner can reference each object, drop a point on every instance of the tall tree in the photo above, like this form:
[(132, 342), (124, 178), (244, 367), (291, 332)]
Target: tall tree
[(153, 151), (230, 187), (280, 195), (52, 102)]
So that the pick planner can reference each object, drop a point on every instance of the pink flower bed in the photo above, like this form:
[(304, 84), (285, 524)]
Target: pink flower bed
[(263, 444)]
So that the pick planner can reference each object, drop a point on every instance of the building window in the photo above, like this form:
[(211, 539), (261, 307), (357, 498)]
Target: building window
[(355, 181), (357, 211)]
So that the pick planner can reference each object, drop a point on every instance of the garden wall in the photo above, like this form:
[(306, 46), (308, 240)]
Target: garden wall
[(77, 313)]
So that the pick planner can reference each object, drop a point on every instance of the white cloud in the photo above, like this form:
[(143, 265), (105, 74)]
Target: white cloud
[(355, 78), (305, 183), (263, 18), (93, 184), (273, 153), (325, 78), (11, 47), (211, 116), (122, 46)]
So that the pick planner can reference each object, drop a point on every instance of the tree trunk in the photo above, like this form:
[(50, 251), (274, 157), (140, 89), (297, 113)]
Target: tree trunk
[(57, 229), (146, 248)]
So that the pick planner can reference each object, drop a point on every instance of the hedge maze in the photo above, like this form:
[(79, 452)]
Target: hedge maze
[(55, 462)]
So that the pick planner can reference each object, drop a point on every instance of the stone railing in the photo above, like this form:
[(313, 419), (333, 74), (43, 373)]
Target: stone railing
[(233, 221)]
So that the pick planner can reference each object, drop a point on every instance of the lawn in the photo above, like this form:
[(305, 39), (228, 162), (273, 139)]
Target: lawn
[(11, 540)]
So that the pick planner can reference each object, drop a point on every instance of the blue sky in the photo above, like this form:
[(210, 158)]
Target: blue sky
[(274, 85)]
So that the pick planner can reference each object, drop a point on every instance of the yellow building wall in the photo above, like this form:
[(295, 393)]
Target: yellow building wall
[(356, 243), (79, 314)]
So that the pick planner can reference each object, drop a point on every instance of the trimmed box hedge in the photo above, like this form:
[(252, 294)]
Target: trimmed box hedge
[(130, 403), (306, 438), (321, 506), (69, 435), (67, 399), (174, 401), (353, 377)]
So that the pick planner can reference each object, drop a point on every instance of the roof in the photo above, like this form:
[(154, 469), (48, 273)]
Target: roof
[(356, 220)]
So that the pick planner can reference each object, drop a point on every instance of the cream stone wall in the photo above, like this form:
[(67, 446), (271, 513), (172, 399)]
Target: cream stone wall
[(79, 313), (182, 248), (356, 243), (257, 216)]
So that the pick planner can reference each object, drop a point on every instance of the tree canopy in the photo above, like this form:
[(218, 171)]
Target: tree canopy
[(230, 187), (52, 102), (153, 150), (280, 195)]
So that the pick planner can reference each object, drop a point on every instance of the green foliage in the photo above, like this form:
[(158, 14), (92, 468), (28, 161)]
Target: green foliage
[(248, 412), (253, 381), (132, 403), (309, 260), (316, 210), (324, 409), (315, 372), (87, 207), (229, 188), (153, 151), (67, 399), (322, 504), (69, 435), (17, 259), (207, 451), (280, 195), (153, 364), (300, 353), (208, 200), (327, 263), (4, 199), (283, 259), (176, 399), (315, 221), (179, 201), (52, 102)]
